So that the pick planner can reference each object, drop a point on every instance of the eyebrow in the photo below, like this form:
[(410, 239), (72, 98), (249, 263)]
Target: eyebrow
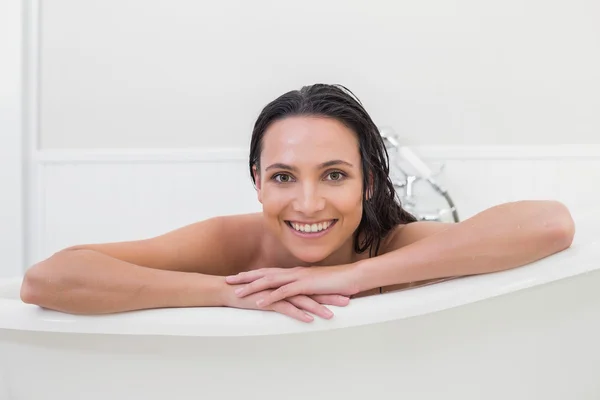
[(320, 166)]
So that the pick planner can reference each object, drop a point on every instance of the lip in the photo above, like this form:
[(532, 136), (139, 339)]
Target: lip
[(312, 235)]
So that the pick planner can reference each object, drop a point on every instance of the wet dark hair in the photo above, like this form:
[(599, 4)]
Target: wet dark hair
[(382, 211)]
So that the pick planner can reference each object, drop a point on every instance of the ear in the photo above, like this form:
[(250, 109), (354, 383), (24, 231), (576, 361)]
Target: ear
[(257, 183)]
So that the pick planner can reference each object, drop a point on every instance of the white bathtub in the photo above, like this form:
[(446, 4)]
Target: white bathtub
[(527, 333)]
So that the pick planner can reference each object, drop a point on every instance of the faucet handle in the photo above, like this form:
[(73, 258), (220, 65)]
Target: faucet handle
[(407, 185)]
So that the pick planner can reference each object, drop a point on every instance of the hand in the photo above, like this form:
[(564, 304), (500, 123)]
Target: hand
[(295, 306), (290, 282)]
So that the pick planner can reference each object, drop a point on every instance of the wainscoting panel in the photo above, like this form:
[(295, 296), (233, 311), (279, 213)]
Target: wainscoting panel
[(97, 202), (102, 196)]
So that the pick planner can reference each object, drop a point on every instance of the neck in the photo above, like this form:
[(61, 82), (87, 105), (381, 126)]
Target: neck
[(343, 255)]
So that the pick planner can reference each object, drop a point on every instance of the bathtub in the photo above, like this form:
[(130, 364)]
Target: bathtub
[(527, 333)]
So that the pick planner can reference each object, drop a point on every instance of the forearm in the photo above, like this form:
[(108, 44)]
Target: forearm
[(89, 282), (502, 237)]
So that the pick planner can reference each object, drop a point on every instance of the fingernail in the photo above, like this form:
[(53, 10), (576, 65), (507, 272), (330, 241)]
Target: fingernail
[(260, 302), (239, 290), (308, 317), (328, 313)]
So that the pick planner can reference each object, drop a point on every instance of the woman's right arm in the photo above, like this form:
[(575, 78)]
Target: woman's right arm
[(83, 281), (181, 268)]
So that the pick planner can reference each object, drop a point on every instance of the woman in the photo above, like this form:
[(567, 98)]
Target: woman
[(331, 228)]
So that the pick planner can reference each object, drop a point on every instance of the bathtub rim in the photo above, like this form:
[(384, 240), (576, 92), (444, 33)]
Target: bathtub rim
[(221, 321), (217, 321)]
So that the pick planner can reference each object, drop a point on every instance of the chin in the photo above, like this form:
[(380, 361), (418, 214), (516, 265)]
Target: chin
[(310, 256)]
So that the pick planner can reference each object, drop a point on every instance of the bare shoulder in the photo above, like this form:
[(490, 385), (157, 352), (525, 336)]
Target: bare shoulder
[(216, 246), (405, 234)]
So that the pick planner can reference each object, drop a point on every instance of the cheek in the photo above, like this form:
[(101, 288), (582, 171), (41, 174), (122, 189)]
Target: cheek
[(274, 201), (348, 201)]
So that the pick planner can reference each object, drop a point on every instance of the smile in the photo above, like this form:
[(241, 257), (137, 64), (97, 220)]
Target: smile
[(316, 229)]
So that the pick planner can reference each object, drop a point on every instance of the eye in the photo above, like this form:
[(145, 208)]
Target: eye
[(282, 178), (336, 176)]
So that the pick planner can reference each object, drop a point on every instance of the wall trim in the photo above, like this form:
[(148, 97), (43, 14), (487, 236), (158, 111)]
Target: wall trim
[(193, 155), (33, 191), (135, 155), (12, 236), (510, 152)]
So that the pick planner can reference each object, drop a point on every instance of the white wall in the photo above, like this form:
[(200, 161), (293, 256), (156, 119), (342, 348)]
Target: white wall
[(100, 196), (11, 210), (129, 76), (185, 73)]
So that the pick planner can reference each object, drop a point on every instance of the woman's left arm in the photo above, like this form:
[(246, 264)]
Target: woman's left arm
[(502, 237)]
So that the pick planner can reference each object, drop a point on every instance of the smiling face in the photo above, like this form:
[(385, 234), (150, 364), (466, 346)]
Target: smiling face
[(310, 185)]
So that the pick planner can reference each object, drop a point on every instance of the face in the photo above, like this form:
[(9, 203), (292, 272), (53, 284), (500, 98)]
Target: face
[(310, 186)]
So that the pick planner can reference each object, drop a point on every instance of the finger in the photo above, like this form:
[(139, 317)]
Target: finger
[(286, 308), (285, 291), (246, 277), (264, 283), (307, 304), (331, 299)]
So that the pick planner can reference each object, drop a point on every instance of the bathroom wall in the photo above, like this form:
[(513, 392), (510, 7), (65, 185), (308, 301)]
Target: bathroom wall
[(138, 114), (185, 73)]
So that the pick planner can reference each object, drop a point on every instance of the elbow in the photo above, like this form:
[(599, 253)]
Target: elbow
[(562, 228), (29, 293), (31, 287), (41, 280)]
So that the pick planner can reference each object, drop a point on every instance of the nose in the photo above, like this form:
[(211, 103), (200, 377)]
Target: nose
[(308, 201)]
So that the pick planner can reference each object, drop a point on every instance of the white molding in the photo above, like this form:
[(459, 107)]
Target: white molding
[(134, 155), (504, 152), (11, 145), (438, 153), (33, 182)]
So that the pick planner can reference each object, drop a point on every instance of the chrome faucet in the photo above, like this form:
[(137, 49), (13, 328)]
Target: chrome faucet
[(405, 186)]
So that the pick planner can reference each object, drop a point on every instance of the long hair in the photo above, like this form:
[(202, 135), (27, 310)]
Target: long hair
[(382, 211)]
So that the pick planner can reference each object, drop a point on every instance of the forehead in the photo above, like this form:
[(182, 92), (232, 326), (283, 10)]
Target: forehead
[(309, 139)]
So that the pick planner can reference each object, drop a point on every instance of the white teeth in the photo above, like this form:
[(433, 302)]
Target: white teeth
[(311, 227)]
